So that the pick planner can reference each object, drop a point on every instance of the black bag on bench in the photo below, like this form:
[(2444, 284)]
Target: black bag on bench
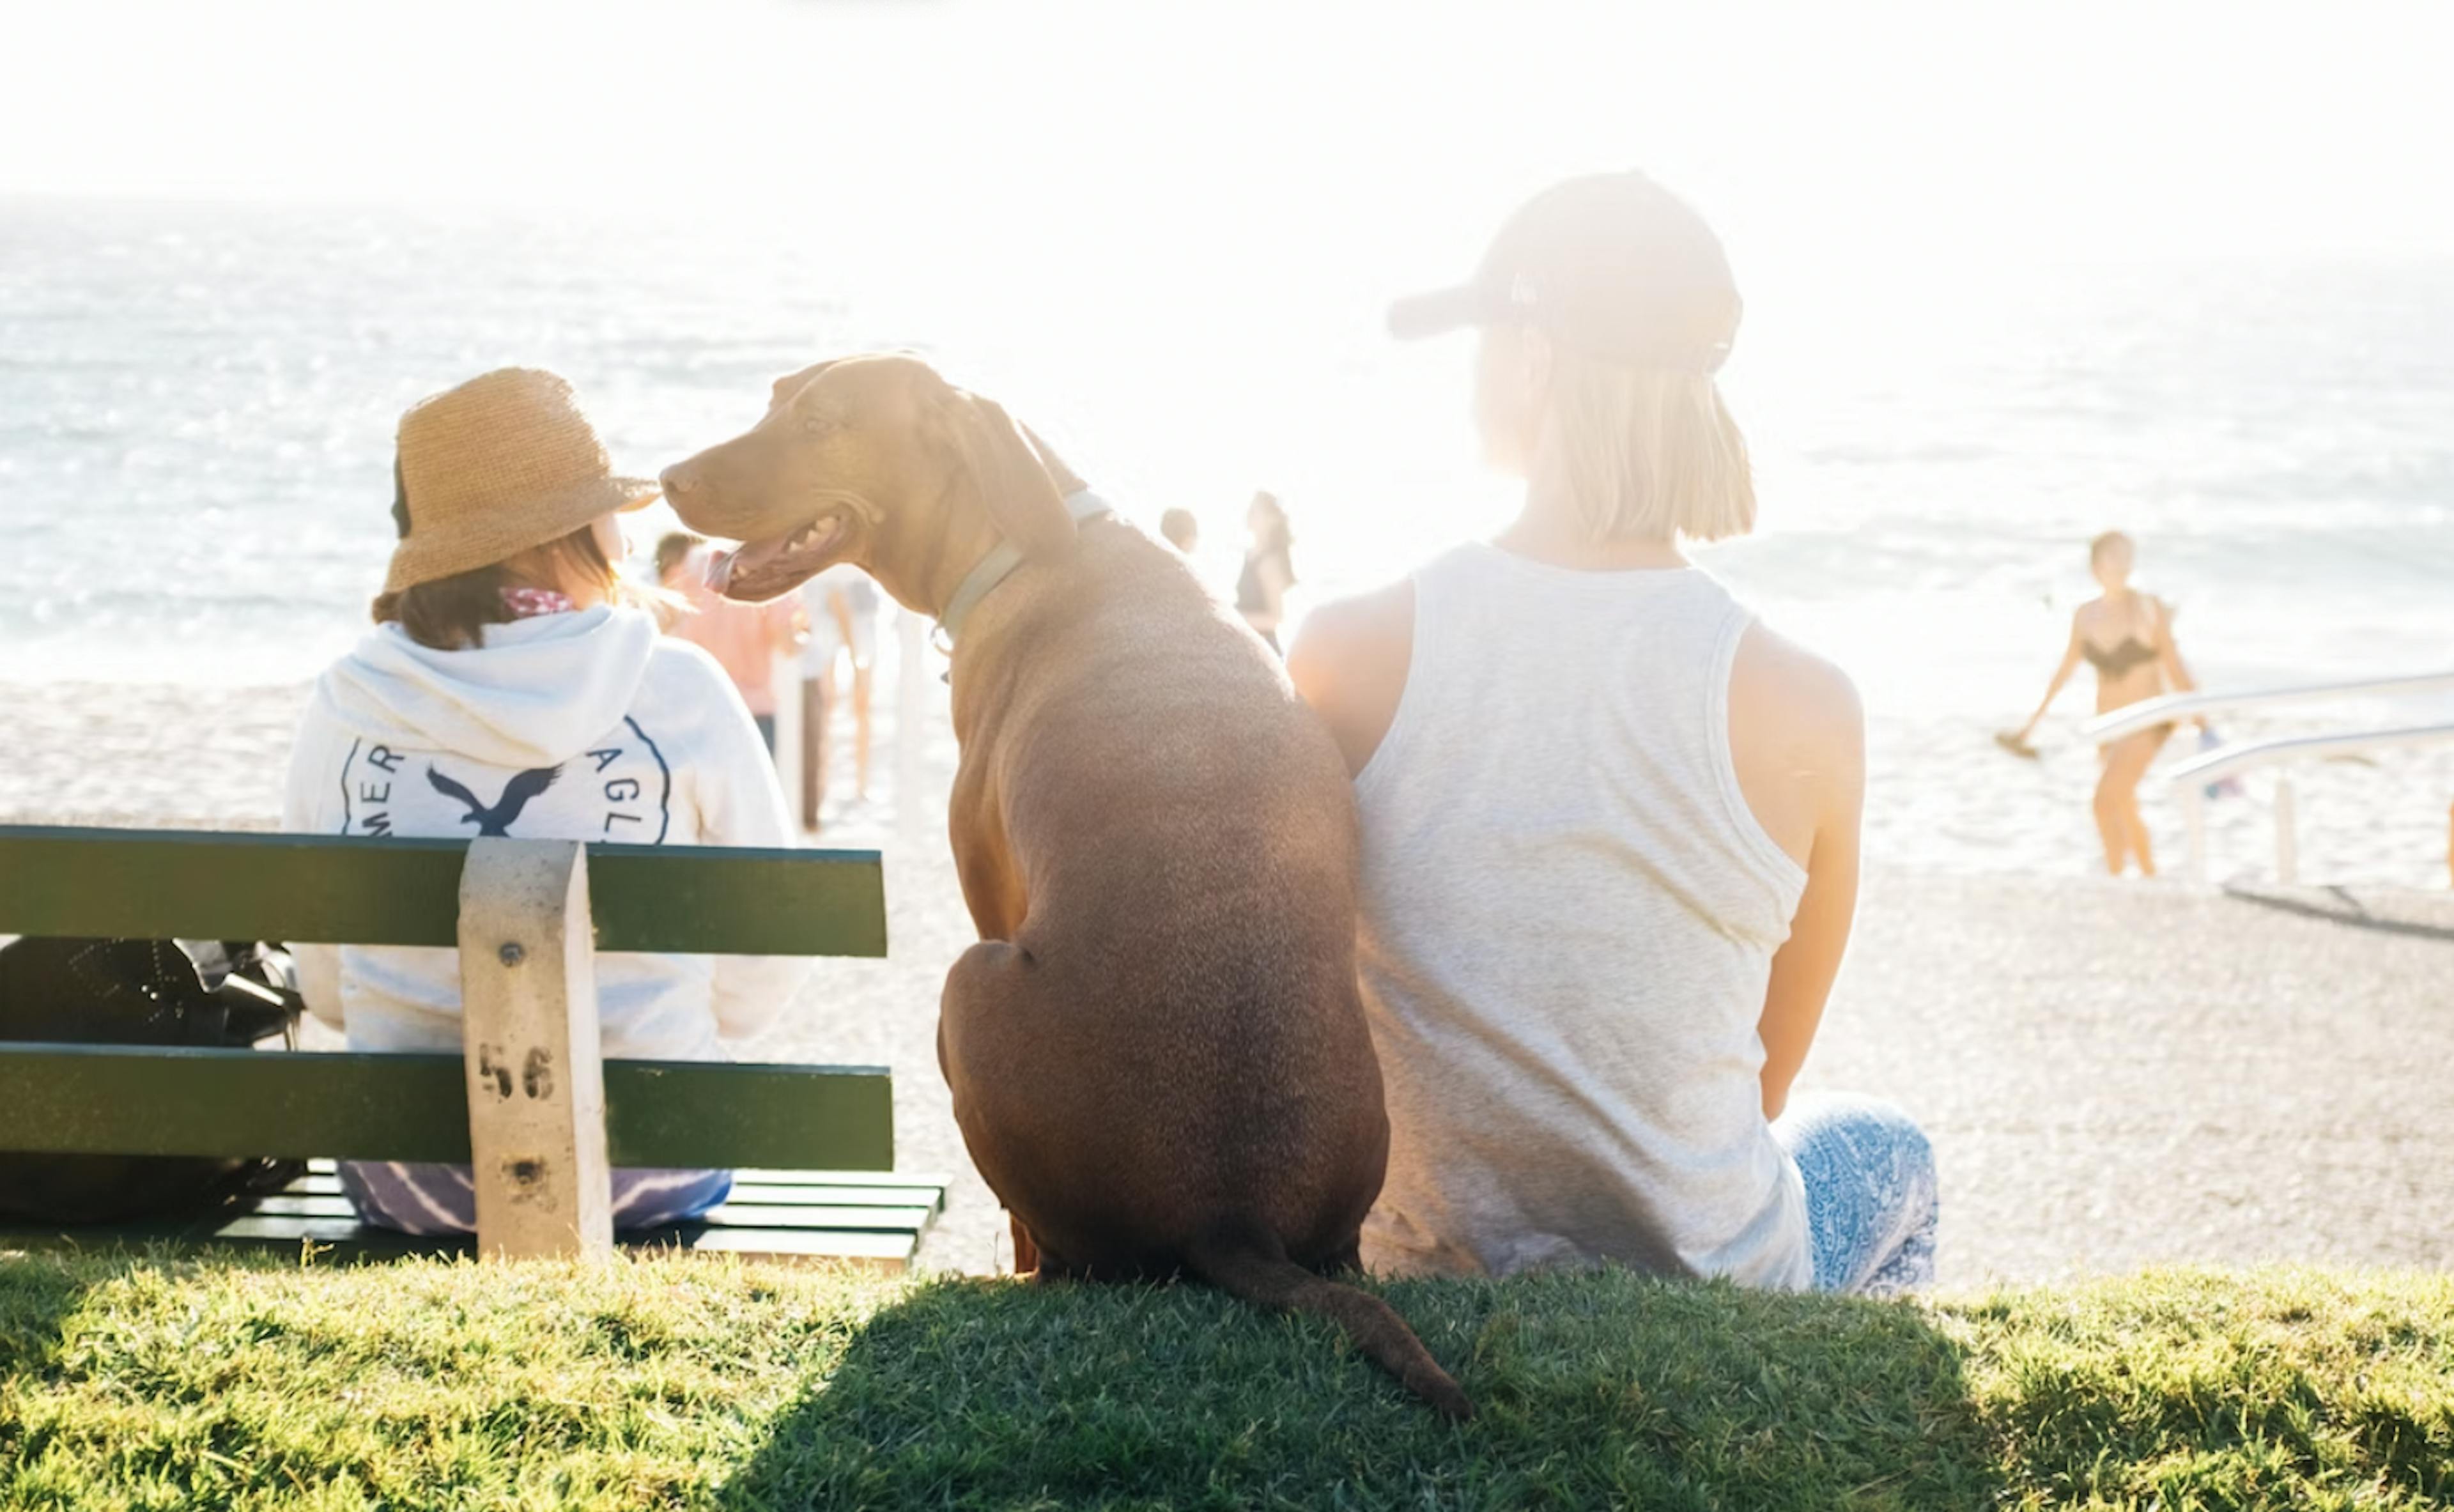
[(139, 992)]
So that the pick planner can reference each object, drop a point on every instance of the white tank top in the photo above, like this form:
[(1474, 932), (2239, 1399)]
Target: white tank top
[(1569, 918)]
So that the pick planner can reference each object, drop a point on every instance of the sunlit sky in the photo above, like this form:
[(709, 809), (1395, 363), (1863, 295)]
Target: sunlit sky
[(1110, 158), (1039, 163), (1889, 131)]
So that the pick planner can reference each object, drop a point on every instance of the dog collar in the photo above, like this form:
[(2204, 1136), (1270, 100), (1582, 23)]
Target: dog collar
[(1000, 562)]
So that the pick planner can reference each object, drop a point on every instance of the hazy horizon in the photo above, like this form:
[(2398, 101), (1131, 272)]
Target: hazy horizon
[(1913, 133)]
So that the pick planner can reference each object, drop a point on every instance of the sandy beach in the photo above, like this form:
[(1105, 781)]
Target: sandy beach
[(2113, 1073)]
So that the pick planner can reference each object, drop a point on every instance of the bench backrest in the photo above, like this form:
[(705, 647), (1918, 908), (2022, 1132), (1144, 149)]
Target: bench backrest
[(328, 889), (535, 1001)]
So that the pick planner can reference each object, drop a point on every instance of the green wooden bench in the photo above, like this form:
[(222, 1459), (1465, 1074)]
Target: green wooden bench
[(528, 1103)]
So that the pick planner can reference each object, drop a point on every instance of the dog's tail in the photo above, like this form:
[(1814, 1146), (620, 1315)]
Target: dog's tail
[(1244, 1258)]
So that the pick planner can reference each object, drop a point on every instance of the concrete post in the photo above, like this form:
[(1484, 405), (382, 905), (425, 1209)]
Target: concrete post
[(535, 1068)]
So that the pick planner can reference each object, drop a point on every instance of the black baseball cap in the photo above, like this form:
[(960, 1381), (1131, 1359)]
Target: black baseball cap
[(1612, 264)]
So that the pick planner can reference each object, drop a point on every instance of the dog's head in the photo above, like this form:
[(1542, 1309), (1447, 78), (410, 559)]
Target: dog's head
[(878, 462)]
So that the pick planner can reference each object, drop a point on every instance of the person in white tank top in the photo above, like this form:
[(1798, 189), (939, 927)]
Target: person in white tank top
[(1610, 822)]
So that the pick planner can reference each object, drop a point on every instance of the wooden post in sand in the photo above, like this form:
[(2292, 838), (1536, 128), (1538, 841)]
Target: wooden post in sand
[(535, 1068)]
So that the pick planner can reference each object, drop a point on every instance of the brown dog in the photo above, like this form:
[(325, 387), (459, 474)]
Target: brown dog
[(1157, 1053)]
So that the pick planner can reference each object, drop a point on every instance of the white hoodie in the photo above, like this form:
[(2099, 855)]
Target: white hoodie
[(579, 726)]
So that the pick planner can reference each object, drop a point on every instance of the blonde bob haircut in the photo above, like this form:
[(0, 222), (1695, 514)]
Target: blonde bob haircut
[(1642, 453)]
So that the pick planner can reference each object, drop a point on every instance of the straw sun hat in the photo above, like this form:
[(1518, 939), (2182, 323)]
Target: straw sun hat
[(502, 463)]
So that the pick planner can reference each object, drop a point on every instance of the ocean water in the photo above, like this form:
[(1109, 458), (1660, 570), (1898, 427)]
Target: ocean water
[(197, 404)]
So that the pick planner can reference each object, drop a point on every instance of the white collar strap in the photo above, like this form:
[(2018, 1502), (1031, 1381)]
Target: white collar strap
[(1000, 562)]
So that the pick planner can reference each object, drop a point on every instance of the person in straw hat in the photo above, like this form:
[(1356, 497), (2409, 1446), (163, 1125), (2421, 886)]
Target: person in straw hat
[(509, 687)]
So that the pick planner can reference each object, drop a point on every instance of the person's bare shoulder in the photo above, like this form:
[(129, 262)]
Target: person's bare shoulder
[(1349, 662), (1798, 736), (1790, 682)]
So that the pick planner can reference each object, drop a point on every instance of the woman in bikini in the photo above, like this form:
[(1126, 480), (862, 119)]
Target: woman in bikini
[(2127, 636)]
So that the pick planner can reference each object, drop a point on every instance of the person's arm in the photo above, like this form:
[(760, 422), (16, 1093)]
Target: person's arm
[(1350, 664), (1809, 961), (2071, 655)]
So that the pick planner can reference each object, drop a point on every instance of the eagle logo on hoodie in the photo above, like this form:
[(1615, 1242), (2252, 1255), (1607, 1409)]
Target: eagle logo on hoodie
[(617, 788), (516, 792)]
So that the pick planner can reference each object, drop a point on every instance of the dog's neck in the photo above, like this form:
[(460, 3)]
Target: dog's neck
[(999, 564)]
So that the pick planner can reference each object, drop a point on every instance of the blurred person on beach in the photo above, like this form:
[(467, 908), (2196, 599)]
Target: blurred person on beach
[(673, 550), (2127, 636), (841, 605), (745, 639), (1181, 531), (1610, 821), (512, 687), (1269, 568)]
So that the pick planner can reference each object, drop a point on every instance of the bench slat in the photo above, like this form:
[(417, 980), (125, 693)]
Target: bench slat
[(344, 1239), (158, 1101), (934, 1180), (840, 1219), (366, 1237), (866, 1219), (291, 1202), (839, 1177), (759, 1194), (890, 1251), (922, 1192), (158, 884)]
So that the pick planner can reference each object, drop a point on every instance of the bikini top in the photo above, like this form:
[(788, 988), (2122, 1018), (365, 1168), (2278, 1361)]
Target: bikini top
[(2125, 656), (2123, 659)]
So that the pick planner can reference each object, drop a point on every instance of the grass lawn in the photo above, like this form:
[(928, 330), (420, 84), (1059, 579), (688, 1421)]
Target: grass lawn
[(145, 1383)]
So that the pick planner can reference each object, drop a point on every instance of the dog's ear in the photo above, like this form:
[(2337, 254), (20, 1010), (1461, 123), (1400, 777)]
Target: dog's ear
[(1068, 482), (792, 383), (1016, 489)]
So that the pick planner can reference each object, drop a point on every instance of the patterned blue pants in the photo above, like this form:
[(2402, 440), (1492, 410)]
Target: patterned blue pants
[(440, 1200), (1871, 1199)]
